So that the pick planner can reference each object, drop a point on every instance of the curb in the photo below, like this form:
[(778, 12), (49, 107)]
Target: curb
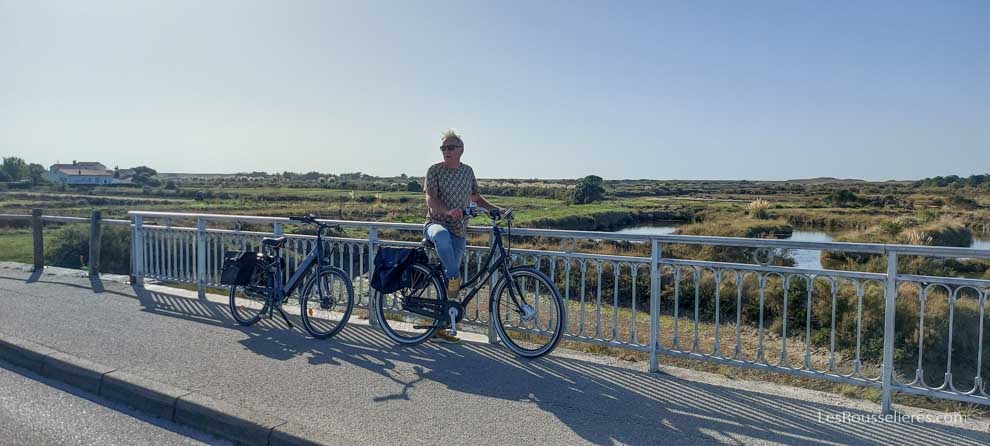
[(161, 400)]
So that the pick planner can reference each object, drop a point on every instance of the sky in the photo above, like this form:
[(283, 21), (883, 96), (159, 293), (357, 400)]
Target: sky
[(752, 90)]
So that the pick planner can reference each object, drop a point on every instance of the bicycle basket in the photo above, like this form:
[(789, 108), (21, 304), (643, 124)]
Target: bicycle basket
[(238, 267)]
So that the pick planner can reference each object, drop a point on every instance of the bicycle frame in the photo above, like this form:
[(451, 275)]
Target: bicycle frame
[(493, 265), (315, 256)]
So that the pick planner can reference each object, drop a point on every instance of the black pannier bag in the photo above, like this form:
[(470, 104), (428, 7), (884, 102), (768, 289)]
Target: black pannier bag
[(238, 267), (393, 268)]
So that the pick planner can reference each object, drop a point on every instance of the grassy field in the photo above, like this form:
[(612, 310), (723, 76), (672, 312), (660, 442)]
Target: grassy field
[(16, 246)]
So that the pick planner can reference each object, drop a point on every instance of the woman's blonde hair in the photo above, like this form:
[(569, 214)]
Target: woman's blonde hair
[(451, 134)]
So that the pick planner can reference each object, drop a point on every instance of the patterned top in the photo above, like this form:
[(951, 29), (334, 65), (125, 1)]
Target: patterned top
[(453, 187)]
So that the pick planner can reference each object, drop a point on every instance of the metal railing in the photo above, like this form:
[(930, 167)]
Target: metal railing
[(37, 221), (914, 334)]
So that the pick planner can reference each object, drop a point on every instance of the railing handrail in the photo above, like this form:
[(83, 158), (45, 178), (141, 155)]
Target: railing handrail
[(864, 248), (64, 219)]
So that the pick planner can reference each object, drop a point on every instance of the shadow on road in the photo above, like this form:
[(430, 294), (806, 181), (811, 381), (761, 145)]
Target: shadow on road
[(601, 403), (35, 275)]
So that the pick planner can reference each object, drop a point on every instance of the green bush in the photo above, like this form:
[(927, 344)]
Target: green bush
[(68, 247), (960, 202), (843, 198), (589, 190)]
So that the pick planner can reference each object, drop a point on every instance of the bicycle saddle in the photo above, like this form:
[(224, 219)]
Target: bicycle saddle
[(274, 242)]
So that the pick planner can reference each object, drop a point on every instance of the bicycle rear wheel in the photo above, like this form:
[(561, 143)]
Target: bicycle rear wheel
[(249, 302), (326, 308), (530, 316), (391, 309)]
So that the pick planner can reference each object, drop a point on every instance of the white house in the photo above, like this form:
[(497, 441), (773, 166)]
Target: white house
[(80, 173)]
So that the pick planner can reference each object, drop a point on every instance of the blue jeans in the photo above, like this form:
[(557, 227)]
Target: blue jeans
[(450, 248)]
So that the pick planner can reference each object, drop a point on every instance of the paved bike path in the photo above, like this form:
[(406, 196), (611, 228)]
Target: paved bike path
[(362, 386)]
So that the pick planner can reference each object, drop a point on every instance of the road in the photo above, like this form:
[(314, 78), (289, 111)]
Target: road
[(38, 411)]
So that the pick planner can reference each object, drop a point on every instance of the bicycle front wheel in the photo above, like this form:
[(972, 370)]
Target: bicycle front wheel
[(530, 316), (249, 302), (393, 309), (326, 303)]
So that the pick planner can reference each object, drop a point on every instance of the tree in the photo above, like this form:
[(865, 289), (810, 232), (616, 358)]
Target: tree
[(145, 176), (310, 176), (589, 190), (37, 173), (145, 170), (414, 186), (15, 168)]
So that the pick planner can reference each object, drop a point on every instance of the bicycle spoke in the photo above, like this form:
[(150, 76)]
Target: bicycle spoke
[(530, 325), (327, 303), (398, 322)]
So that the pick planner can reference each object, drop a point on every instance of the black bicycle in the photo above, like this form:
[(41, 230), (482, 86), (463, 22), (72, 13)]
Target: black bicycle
[(326, 300), (528, 312)]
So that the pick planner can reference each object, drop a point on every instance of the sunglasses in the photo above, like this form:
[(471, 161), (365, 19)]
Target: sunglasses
[(449, 148)]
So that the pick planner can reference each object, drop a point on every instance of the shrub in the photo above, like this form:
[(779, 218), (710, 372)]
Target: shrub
[(961, 202), (907, 221), (758, 208), (890, 227), (734, 228), (68, 247), (942, 233), (843, 198), (929, 215), (589, 190)]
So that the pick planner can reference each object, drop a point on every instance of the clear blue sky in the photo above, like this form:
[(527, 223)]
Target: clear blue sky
[(669, 90)]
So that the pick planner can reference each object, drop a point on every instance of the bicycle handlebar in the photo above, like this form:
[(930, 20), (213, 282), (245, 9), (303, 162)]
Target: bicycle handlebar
[(494, 214), (311, 219)]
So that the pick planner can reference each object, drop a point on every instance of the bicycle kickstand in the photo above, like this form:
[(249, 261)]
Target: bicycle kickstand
[(285, 318)]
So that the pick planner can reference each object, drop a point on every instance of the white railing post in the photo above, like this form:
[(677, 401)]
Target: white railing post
[(654, 305), (201, 256), (137, 251), (372, 251), (890, 302)]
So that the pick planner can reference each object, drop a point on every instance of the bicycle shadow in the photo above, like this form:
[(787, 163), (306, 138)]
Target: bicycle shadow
[(267, 337), (607, 404), (601, 403)]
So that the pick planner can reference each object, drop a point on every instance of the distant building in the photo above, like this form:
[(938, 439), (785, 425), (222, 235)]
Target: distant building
[(85, 173)]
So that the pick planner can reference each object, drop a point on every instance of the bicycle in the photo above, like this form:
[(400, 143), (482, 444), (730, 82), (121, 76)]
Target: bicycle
[(529, 326), (319, 311)]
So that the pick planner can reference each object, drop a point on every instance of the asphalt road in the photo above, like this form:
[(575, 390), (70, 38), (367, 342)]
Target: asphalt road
[(38, 411)]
